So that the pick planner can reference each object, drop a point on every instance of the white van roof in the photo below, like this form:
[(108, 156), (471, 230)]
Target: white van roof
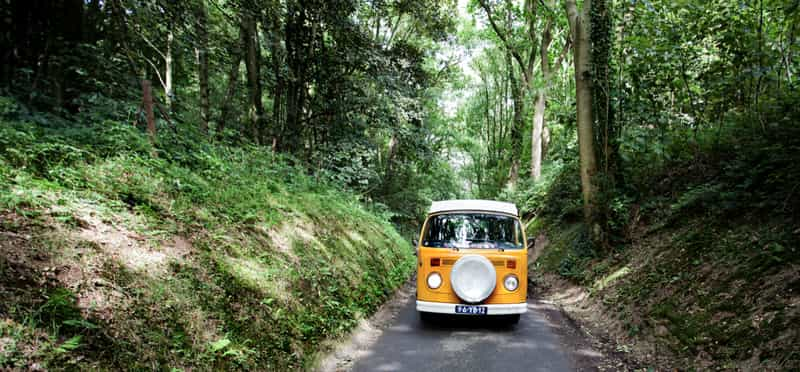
[(473, 205)]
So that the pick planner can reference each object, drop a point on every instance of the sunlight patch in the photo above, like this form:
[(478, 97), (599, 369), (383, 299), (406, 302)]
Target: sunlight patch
[(259, 277), (610, 278), (284, 235)]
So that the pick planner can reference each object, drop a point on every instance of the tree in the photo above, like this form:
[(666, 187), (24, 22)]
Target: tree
[(579, 24), (147, 106), (273, 28), (235, 51), (526, 66), (297, 35), (539, 130), (201, 29), (252, 59)]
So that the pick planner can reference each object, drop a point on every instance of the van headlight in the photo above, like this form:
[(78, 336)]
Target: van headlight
[(434, 280), (511, 282)]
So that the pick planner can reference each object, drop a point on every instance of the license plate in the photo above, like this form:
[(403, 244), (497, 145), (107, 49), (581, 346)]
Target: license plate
[(470, 309)]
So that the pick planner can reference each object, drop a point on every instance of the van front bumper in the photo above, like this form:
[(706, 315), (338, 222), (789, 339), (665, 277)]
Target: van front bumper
[(491, 309)]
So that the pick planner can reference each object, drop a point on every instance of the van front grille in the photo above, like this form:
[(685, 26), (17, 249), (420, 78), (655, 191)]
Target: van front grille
[(451, 262)]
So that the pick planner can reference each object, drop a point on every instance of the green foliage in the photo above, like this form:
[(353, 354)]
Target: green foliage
[(358, 107), (555, 195), (580, 252), (281, 261), (69, 345), (59, 309)]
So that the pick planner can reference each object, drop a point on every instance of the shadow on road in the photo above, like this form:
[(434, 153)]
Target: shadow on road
[(466, 343), (438, 322)]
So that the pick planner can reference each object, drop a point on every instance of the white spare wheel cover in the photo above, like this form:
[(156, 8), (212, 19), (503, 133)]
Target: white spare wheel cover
[(473, 278)]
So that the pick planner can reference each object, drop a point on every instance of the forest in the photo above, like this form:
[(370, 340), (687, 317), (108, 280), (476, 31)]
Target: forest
[(652, 147)]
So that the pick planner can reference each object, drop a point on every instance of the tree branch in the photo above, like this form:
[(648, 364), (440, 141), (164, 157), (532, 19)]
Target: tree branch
[(530, 14), (158, 73), (227, 16), (394, 29), (151, 44), (567, 45), (502, 36)]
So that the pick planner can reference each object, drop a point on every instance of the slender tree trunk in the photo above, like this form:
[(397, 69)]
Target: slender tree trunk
[(545, 141), (253, 56), (230, 92), (390, 153), (787, 54), (536, 136), (538, 127), (147, 105), (168, 92), (7, 44), (278, 61), (296, 35), (202, 65), (233, 83), (92, 18), (580, 27), (517, 124)]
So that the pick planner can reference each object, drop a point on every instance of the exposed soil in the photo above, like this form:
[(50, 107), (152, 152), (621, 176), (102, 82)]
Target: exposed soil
[(39, 256), (605, 333), (671, 327)]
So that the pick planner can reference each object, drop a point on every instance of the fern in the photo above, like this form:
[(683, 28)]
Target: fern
[(69, 345)]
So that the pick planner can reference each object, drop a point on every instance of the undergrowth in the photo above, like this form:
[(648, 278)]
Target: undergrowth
[(274, 261), (705, 248)]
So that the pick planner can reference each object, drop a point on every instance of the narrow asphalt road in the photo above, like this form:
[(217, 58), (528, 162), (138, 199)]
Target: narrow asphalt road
[(538, 343)]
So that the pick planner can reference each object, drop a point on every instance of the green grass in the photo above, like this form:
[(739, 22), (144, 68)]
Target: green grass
[(709, 269), (276, 263), (723, 287)]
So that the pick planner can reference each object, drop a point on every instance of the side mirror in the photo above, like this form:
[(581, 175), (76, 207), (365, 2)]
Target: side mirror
[(414, 243), (531, 242)]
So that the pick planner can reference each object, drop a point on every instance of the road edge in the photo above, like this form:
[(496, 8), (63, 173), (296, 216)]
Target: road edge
[(340, 354)]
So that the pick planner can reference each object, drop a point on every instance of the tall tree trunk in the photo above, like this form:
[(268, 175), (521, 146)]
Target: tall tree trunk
[(579, 24), (517, 124), (252, 62), (277, 55), (545, 141), (536, 135), (92, 18), (393, 144), (233, 83), (147, 105), (202, 65), (65, 33), (297, 34), (538, 127), (168, 72), (230, 92)]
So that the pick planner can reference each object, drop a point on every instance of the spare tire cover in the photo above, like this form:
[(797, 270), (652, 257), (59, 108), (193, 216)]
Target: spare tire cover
[(473, 278)]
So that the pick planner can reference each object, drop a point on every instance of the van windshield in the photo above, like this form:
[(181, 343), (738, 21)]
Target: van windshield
[(473, 230)]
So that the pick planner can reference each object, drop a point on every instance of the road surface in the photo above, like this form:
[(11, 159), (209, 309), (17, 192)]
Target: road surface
[(542, 341)]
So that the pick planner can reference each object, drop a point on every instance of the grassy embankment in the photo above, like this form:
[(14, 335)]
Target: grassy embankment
[(706, 266), (118, 254)]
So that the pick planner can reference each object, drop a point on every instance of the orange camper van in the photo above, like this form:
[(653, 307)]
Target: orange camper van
[(472, 260)]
